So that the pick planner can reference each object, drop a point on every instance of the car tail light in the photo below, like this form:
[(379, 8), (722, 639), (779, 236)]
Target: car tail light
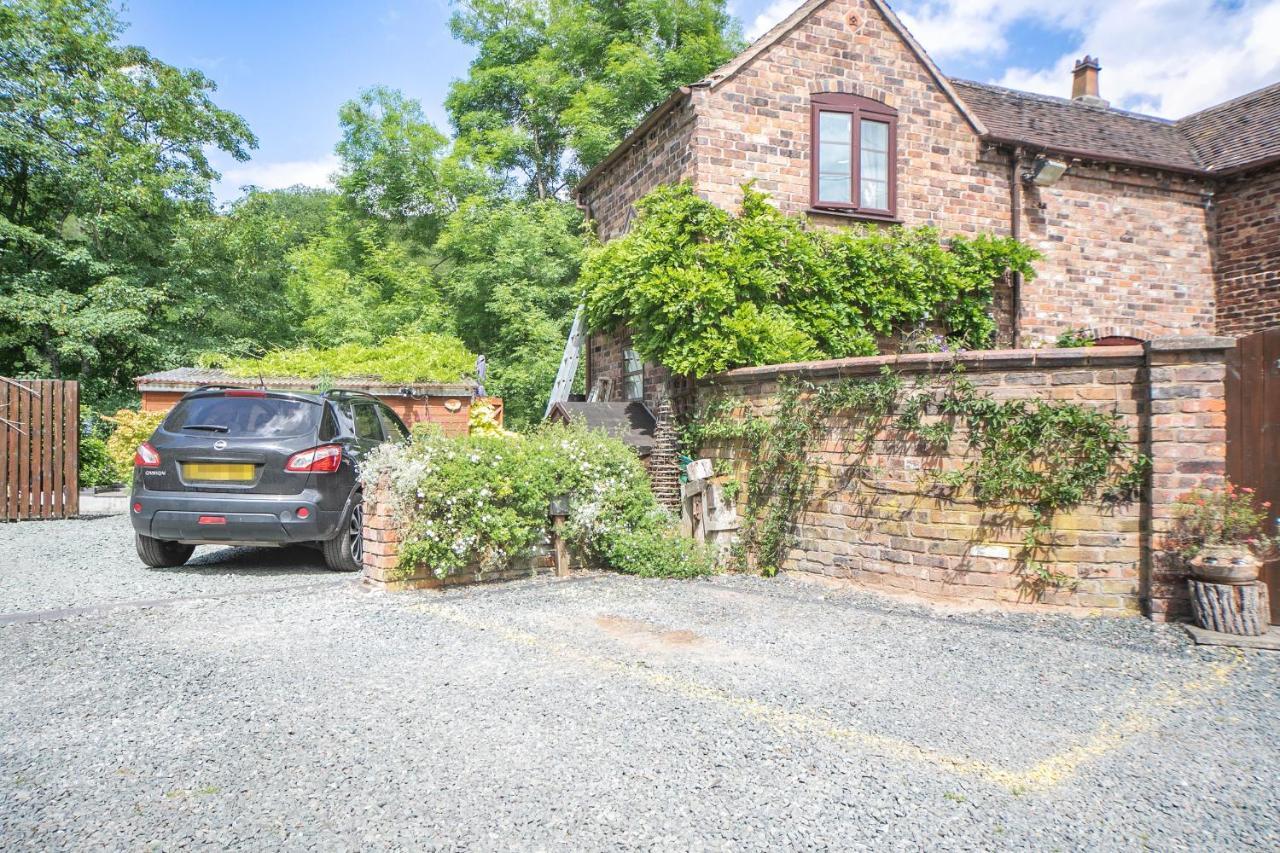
[(212, 519), (324, 459), (243, 392), (146, 457)]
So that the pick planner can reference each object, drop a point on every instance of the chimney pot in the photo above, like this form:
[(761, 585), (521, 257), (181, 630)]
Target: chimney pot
[(1084, 81)]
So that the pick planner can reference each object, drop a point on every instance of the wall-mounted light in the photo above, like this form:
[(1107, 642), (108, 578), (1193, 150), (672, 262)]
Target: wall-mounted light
[(1045, 172)]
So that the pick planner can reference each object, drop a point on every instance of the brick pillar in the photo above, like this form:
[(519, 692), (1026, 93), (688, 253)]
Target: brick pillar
[(664, 467), (1187, 442), (381, 535)]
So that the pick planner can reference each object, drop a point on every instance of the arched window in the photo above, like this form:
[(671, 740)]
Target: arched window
[(854, 160)]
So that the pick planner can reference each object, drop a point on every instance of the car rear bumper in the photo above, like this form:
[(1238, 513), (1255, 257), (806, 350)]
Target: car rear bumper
[(232, 519)]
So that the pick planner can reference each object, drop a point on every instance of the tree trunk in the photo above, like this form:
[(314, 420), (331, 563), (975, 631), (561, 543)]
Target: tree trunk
[(1231, 608)]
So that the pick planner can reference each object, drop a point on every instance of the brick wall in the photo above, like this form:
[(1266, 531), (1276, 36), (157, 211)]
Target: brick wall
[(1247, 234), (605, 360), (663, 156), (1187, 442), (889, 531), (382, 556), (1126, 252)]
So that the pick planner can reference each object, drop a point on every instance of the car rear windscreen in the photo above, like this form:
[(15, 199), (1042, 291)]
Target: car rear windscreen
[(244, 417)]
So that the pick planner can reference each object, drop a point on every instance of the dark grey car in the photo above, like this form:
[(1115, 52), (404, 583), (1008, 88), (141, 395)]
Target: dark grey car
[(234, 466)]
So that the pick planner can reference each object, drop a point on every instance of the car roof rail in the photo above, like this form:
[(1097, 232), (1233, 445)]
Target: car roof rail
[(344, 392), (214, 386)]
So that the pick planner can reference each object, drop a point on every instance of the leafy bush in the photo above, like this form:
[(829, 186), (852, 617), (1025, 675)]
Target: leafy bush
[(94, 463), (1075, 339), (131, 429), (703, 290), (404, 358), (96, 468), (484, 499)]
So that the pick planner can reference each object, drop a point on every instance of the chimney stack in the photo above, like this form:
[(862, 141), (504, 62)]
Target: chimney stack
[(1084, 82)]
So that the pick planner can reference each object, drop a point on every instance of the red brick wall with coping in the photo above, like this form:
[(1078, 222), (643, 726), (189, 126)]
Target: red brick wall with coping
[(890, 534)]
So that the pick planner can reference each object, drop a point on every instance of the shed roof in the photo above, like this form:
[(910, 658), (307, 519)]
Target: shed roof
[(187, 378), (632, 422)]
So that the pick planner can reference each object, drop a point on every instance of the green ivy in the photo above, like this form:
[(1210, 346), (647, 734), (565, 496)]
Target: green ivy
[(703, 290), (1032, 458)]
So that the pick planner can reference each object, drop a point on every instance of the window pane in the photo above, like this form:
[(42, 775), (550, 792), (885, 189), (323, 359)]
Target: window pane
[(367, 425), (835, 127), (634, 387), (873, 165), (834, 189), (835, 157), (875, 194), (241, 417), (632, 375), (875, 136)]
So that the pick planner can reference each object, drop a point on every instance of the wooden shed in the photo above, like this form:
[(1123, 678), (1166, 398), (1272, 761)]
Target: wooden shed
[(445, 403), (632, 423)]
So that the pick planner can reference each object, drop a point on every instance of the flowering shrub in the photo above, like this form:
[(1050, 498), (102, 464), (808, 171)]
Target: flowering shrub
[(1225, 516), (131, 429), (484, 499)]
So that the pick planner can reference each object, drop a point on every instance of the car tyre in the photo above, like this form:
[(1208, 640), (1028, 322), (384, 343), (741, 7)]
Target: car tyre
[(161, 553), (345, 552)]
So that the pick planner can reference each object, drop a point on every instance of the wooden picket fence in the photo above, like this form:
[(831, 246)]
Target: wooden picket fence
[(39, 449)]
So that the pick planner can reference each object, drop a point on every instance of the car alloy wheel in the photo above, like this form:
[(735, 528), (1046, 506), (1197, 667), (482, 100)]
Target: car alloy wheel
[(355, 533)]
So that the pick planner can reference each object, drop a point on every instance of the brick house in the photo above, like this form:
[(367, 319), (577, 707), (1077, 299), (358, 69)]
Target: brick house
[(1149, 228)]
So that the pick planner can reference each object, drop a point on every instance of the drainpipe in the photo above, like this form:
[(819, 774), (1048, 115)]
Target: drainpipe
[(1015, 230)]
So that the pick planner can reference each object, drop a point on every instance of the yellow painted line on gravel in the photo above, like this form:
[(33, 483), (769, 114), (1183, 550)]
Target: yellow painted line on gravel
[(1047, 774)]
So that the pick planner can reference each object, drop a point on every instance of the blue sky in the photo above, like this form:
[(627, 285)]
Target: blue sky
[(286, 65)]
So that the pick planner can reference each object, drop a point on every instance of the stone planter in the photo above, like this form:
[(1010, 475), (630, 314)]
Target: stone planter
[(1225, 564)]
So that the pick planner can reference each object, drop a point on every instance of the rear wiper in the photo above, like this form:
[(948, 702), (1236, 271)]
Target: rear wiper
[(207, 427)]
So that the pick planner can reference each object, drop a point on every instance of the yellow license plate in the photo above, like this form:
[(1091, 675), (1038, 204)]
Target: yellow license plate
[(222, 472)]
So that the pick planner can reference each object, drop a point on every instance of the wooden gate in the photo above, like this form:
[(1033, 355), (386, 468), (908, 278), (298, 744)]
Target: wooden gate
[(39, 449), (1253, 430)]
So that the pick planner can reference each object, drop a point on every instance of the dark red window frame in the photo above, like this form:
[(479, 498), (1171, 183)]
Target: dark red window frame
[(858, 108)]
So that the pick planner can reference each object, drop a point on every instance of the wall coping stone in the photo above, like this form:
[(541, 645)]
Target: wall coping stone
[(1002, 359), (1191, 343)]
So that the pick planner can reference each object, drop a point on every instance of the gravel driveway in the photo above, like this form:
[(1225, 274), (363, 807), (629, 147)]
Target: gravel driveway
[(601, 712)]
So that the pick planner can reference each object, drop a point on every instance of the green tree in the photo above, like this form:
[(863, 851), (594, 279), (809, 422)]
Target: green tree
[(557, 83), (397, 168), (234, 270), (512, 269), (102, 155), (354, 284)]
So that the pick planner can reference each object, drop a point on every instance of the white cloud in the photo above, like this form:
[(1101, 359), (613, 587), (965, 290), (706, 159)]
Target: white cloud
[(1167, 57), (770, 15), (274, 176)]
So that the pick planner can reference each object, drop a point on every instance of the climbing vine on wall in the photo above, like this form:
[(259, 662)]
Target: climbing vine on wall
[(701, 289), (1033, 459)]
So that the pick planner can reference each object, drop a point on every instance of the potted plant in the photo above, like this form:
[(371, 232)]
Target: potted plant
[(1221, 533)]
